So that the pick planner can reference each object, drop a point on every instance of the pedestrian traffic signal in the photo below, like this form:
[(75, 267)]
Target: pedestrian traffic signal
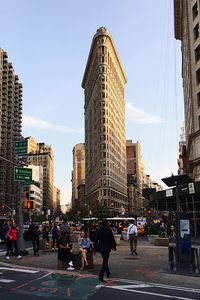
[(29, 204)]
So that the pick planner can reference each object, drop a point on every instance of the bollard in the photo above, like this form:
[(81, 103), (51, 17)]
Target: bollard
[(171, 258)]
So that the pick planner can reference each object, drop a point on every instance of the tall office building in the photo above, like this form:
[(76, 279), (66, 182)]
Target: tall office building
[(135, 174), (56, 201), (105, 142), (10, 128), (78, 173), (40, 154), (187, 30)]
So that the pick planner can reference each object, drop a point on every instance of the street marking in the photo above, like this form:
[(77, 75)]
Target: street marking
[(27, 283), (6, 280), (171, 287), (146, 293), (19, 270)]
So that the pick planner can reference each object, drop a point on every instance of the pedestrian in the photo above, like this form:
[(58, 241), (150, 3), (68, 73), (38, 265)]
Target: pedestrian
[(45, 236), (34, 233), (65, 255), (132, 237), (84, 244), (6, 227), (105, 242), (12, 236), (65, 227), (93, 235), (55, 235)]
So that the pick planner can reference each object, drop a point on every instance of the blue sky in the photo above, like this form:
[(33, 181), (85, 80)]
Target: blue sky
[(48, 42)]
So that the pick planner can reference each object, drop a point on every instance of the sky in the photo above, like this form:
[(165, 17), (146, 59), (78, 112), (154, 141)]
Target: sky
[(48, 43)]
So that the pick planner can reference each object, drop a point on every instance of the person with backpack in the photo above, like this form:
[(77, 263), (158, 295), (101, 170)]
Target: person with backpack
[(12, 236)]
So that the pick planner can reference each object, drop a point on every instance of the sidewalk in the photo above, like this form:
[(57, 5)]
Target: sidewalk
[(151, 264)]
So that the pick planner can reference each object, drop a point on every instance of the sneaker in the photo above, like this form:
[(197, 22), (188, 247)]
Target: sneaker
[(7, 257), (52, 249), (70, 264), (70, 269), (135, 252), (19, 257)]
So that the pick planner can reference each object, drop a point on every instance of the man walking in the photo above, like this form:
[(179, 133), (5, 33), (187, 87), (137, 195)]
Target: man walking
[(132, 237), (105, 242)]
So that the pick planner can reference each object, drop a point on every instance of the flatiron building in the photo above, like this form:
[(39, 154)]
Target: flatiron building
[(105, 142)]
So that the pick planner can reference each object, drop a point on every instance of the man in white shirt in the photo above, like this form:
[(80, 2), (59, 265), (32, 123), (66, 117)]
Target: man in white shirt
[(132, 237)]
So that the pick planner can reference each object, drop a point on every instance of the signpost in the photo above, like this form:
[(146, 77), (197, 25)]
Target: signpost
[(21, 147), (22, 174)]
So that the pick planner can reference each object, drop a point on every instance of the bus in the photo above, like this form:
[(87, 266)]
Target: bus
[(2, 220)]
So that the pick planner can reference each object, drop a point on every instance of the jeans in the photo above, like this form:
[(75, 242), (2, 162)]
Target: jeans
[(104, 267), (35, 243), (9, 245)]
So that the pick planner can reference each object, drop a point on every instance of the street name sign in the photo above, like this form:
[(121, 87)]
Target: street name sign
[(23, 174), (21, 147)]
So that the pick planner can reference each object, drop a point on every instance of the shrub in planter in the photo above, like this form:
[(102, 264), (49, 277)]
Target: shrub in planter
[(153, 228)]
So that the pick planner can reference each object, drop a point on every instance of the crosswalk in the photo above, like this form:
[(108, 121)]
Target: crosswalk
[(7, 274)]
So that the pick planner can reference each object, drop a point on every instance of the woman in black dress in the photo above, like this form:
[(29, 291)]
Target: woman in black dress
[(65, 255)]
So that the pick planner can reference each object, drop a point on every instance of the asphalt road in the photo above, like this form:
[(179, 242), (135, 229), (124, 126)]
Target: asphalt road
[(20, 283)]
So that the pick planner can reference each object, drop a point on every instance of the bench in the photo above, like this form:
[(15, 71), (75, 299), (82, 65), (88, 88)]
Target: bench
[(77, 257)]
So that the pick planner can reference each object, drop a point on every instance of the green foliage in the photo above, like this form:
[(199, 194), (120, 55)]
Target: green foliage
[(153, 228)]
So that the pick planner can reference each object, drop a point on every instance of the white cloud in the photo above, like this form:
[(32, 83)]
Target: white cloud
[(138, 116), (30, 122)]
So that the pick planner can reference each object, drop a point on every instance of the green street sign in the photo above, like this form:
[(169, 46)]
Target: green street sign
[(21, 147), (23, 174)]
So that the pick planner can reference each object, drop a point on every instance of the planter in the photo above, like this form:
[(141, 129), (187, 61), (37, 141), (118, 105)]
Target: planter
[(117, 238), (152, 237)]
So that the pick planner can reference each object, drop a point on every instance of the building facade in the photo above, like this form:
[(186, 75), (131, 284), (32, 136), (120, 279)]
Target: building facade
[(78, 173), (10, 128), (105, 143), (135, 175), (56, 201), (187, 30), (40, 154)]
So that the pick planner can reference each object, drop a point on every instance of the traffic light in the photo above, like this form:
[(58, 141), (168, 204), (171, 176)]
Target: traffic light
[(29, 204)]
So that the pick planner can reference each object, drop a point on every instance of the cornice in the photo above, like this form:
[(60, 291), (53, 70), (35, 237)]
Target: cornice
[(102, 31)]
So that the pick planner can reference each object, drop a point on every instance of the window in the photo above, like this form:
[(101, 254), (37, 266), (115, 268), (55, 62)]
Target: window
[(198, 99), (194, 11), (197, 53), (196, 32), (198, 76)]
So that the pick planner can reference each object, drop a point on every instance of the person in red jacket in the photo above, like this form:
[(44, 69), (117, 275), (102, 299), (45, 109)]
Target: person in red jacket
[(12, 240)]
